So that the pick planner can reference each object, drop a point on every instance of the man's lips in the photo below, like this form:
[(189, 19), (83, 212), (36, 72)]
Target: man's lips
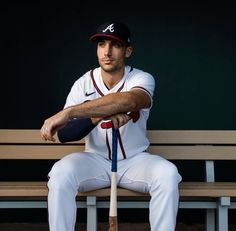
[(107, 60)]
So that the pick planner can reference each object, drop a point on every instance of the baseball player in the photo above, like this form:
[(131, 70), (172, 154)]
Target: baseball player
[(113, 91)]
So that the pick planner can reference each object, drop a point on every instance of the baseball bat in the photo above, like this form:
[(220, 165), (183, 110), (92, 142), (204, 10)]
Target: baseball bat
[(113, 223)]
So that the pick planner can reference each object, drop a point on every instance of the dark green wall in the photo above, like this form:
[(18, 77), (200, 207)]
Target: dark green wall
[(189, 47)]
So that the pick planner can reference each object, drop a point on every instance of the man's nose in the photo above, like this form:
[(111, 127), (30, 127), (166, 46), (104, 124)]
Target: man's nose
[(107, 50)]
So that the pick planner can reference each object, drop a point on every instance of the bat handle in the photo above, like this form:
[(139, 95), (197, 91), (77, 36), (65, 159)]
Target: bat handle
[(115, 133), (113, 225)]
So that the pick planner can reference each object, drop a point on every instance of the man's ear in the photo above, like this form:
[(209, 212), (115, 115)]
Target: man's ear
[(128, 51)]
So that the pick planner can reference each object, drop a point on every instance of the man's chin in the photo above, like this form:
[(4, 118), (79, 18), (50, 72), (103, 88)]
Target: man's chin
[(108, 68)]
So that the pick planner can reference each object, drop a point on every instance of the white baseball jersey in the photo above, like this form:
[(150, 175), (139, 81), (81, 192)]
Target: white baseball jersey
[(132, 138)]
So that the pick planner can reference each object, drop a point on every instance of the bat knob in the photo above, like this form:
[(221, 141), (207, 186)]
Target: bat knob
[(106, 125)]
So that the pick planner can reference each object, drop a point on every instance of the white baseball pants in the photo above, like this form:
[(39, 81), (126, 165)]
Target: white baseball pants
[(86, 171)]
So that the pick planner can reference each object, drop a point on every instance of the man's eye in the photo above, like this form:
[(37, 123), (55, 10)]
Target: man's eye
[(117, 45), (101, 43)]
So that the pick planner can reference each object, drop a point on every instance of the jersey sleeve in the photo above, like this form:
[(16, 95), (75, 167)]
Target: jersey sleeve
[(76, 94), (143, 81)]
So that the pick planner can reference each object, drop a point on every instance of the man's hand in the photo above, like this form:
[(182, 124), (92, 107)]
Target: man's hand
[(119, 120), (53, 124)]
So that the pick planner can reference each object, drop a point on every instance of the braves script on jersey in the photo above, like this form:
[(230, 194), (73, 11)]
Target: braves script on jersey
[(132, 136)]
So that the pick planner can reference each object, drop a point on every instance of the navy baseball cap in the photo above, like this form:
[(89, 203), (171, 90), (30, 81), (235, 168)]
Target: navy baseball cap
[(113, 30)]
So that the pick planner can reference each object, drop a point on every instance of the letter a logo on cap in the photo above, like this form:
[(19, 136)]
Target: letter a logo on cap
[(110, 28)]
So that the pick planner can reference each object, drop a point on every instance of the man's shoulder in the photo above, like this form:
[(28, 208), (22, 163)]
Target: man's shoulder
[(134, 70), (87, 75), (139, 73)]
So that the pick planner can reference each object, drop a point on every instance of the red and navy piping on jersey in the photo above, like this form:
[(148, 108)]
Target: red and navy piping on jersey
[(95, 85), (120, 144), (142, 88), (97, 88)]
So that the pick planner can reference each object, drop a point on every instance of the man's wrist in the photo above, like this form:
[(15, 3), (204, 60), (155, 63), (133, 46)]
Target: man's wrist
[(95, 120), (69, 112)]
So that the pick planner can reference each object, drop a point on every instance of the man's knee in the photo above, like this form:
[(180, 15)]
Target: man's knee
[(167, 177), (60, 176)]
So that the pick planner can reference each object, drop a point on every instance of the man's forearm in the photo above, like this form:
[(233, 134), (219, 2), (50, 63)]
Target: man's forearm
[(102, 107)]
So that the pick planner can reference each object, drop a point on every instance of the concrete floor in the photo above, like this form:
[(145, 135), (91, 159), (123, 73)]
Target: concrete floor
[(101, 227)]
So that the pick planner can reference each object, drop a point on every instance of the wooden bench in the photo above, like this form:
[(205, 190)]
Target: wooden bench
[(173, 145)]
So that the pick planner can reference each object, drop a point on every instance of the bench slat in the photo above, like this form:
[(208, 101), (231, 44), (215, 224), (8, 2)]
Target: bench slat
[(31, 136), (160, 136), (192, 136), (44, 152), (198, 152), (187, 189)]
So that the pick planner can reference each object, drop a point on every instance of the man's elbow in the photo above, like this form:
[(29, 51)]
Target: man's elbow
[(139, 100), (132, 103)]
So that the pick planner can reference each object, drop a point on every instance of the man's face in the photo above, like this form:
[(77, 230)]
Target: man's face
[(111, 55)]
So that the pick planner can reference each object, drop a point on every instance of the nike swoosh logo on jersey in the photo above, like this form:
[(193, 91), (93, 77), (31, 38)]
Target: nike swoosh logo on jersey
[(88, 94)]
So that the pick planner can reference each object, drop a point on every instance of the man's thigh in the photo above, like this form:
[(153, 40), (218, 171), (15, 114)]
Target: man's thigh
[(85, 171), (140, 171)]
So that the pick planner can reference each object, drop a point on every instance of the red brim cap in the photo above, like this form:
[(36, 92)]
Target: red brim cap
[(112, 30), (97, 37)]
